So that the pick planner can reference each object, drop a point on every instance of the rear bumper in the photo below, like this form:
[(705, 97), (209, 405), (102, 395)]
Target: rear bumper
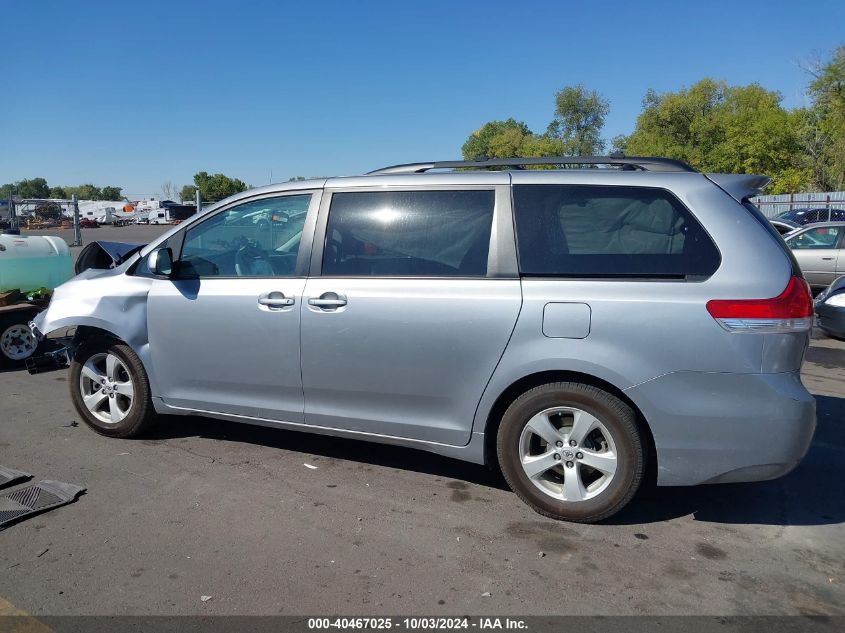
[(722, 427)]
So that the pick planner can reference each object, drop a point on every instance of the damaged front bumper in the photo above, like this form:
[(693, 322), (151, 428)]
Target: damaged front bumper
[(58, 358)]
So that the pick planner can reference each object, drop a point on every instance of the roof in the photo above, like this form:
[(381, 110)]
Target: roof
[(823, 223), (618, 161)]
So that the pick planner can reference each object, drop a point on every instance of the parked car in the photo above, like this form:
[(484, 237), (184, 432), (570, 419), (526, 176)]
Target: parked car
[(88, 223), (830, 309), (785, 226), (569, 326), (810, 215), (818, 250)]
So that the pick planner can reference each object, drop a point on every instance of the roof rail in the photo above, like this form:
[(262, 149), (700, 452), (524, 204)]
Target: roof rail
[(642, 163)]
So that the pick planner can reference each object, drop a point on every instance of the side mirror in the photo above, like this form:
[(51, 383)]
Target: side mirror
[(160, 262)]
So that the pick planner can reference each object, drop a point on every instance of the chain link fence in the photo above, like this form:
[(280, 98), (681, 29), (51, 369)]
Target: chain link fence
[(830, 201)]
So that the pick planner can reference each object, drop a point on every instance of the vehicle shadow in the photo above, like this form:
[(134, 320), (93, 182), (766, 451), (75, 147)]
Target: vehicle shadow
[(340, 448), (810, 495)]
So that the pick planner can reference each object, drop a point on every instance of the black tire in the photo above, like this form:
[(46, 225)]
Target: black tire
[(140, 416), (15, 320), (617, 418)]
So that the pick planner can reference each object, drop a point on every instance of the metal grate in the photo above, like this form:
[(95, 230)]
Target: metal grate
[(10, 476), (34, 499)]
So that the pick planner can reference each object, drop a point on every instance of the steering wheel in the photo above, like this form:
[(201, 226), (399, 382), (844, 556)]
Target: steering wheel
[(251, 261)]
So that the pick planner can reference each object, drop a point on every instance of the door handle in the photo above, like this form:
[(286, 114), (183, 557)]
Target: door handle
[(275, 300), (328, 301), (827, 259)]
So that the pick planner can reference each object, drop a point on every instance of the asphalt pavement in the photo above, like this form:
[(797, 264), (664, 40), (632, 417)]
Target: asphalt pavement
[(262, 521)]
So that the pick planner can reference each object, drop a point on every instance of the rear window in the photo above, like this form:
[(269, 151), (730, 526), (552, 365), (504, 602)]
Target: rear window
[(609, 231), (409, 234)]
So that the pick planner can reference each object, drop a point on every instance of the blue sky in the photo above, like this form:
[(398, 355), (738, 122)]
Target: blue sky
[(135, 94)]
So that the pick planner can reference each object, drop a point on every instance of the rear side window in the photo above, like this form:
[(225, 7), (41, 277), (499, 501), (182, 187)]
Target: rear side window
[(408, 234), (758, 215), (608, 231)]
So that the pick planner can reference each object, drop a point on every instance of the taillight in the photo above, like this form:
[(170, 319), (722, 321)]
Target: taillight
[(790, 311)]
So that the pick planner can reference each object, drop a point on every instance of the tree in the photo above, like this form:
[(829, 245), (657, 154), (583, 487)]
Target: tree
[(34, 188), (579, 119), (58, 192), (84, 192), (168, 190), (496, 139), (574, 130), (111, 193), (716, 127), (215, 187), (188, 193), (824, 138)]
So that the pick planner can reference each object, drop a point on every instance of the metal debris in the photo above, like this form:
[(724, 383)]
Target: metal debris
[(31, 500), (9, 476)]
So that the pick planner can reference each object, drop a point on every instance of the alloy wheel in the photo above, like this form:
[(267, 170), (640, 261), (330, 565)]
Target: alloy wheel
[(106, 387), (568, 454)]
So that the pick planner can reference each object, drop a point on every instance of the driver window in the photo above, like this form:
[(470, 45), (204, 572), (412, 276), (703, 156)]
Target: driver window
[(254, 239), (816, 238)]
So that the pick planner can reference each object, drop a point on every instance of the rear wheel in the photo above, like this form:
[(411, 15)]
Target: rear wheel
[(571, 451), (110, 389)]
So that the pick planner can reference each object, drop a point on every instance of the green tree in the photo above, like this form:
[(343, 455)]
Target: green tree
[(716, 127), (496, 139), (574, 130), (188, 193), (215, 187), (825, 135), (33, 188), (111, 193), (84, 192), (58, 192), (578, 121)]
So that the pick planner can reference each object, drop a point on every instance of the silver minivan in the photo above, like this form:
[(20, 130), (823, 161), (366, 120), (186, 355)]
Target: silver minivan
[(571, 326)]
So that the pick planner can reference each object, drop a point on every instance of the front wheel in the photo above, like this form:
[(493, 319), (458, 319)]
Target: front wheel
[(110, 389), (571, 451)]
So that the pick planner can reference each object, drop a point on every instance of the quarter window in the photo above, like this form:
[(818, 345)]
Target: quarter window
[(608, 231), (255, 239), (408, 234)]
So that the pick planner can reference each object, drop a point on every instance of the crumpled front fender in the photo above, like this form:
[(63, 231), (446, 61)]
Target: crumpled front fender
[(108, 300)]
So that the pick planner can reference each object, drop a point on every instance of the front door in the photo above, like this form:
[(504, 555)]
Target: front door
[(816, 251), (403, 328), (224, 332)]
